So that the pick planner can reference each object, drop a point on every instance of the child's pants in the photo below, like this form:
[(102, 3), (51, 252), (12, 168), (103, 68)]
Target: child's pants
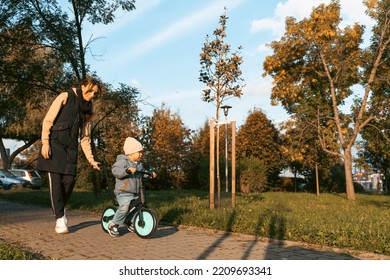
[(124, 200)]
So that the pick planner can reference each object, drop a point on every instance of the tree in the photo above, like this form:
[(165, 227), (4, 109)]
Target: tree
[(376, 139), (299, 148), (116, 118), (96, 12), (167, 144), (47, 51), (64, 33), (28, 74), (259, 138), (302, 150), (220, 71), (316, 58), (197, 165)]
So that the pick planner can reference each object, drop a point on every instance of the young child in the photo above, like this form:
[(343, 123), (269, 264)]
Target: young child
[(127, 183)]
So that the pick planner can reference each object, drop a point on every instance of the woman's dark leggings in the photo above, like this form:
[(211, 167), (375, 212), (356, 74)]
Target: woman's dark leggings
[(61, 187)]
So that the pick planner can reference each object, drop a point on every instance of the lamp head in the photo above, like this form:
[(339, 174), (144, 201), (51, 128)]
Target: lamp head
[(226, 109)]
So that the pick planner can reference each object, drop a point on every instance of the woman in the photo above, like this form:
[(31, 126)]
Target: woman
[(68, 117)]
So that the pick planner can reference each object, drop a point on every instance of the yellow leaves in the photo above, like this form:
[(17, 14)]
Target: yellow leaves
[(296, 157), (270, 63), (370, 3), (284, 150)]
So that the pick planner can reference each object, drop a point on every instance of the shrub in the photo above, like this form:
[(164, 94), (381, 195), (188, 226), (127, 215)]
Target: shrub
[(252, 175)]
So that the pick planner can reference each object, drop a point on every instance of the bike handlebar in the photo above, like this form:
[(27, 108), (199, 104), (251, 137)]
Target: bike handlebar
[(149, 173)]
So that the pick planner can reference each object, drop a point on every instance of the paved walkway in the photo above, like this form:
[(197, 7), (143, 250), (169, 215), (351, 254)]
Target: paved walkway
[(33, 228)]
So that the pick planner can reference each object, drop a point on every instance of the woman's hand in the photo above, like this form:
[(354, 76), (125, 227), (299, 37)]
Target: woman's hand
[(95, 165), (45, 151)]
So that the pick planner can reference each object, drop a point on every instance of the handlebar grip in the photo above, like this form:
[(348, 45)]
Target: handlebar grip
[(149, 173)]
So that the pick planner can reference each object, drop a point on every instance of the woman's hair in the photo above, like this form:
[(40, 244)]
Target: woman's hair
[(86, 106), (92, 80)]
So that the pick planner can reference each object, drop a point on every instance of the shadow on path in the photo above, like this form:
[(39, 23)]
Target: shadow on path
[(82, 225)]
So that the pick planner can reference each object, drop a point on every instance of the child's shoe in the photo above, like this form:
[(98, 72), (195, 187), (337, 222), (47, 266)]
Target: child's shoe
[(129, 226), (113, 230)]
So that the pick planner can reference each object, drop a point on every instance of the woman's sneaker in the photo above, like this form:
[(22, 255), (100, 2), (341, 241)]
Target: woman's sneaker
[(65, 219), (113, 230), (61, 226)]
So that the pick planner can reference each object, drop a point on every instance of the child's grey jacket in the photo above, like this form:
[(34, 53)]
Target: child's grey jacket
[(124, 180)]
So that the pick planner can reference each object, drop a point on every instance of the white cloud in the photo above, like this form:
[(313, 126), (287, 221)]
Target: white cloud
[(264, 48), (178, 28), (135, 83), (267, 24), (297, 8), (276, 23), (351, 11), (260, 87)]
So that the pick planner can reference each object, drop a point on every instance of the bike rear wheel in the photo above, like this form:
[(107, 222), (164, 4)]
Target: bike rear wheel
[(146, 226), (107, 216)]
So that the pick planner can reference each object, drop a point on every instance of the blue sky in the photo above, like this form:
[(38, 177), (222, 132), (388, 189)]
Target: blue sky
[(156, 49)]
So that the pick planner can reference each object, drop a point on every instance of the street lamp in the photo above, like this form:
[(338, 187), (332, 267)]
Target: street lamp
[(225, 109), (226, 112)]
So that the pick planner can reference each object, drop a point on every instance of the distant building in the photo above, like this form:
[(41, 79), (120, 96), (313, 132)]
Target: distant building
[(370, 182)]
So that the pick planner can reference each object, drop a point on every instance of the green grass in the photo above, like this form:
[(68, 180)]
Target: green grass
[(327, 219), (15, 252)]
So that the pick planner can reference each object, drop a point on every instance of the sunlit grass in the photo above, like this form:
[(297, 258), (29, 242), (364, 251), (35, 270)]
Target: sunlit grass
[(13, 252)]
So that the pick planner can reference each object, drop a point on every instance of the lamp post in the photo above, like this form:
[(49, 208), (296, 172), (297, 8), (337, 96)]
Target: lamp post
[(226, 112)]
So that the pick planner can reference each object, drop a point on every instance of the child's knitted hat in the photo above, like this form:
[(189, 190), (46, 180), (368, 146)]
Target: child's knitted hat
[(132, 146)]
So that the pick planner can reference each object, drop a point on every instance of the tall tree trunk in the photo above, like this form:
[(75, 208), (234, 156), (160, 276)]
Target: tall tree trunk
[(348, 174), (4, 155), (7, 160), (317, 180)]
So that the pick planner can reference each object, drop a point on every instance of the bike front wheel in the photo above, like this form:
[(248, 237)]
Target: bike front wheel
[(146, 225), (107, 216)]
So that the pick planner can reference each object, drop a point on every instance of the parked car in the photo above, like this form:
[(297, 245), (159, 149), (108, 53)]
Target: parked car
[(30, 175), (9, 180)]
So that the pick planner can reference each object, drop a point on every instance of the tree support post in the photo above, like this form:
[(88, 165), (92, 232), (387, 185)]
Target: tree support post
[(233, 164), (212, 172), (214, 124)]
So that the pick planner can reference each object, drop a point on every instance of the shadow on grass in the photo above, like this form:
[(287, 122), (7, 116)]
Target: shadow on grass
[(277, 229), (273, 249), (217, 242), (173, 215)]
